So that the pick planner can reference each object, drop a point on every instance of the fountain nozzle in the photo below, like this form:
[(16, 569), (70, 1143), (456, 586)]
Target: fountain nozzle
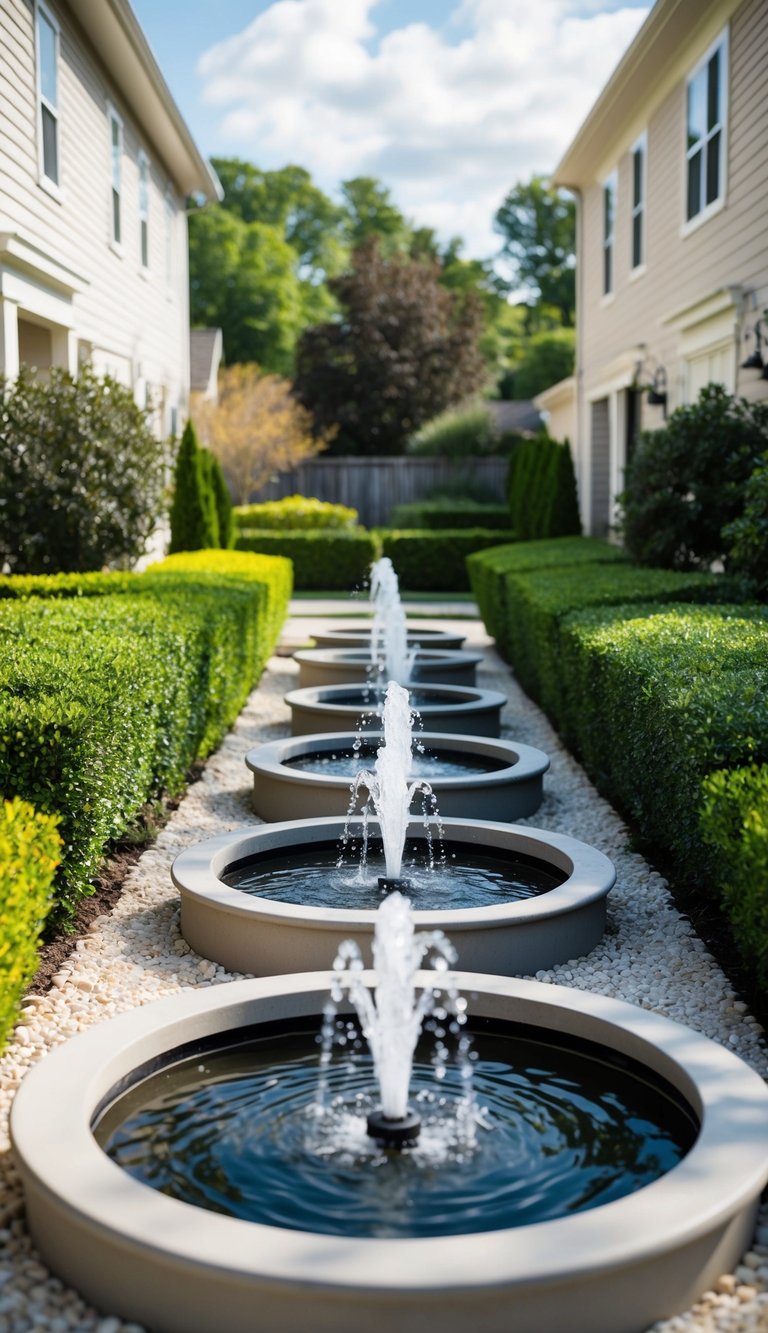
[(394, 884), (394, 1133)]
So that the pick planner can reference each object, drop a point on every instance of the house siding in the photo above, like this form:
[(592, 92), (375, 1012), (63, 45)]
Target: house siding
[(128, 321), (701, 287)]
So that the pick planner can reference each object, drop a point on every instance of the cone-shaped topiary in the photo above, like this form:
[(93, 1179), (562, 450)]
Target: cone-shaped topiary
[(222, 500), (208, 467), (564, 519), (191, 508)]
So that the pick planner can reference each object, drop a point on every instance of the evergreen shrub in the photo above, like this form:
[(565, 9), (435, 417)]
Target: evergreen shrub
[(734, 823), (450, 513), (194, 520), (427, 561), (29, 854), (81, 476), (322, 559), (295, 513), (542, 492), (746, 538), (222, 503)]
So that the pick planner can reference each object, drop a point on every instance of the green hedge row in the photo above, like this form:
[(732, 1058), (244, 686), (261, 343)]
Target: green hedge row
[(106, 699), (734, 822), (438, 514), (327, 559), (295, 513), (29, 854), (435, 561)]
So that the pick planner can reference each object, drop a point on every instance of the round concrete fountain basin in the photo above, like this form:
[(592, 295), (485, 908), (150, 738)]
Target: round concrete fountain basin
[(447, 708), (357, 634), (509, 935), (339, 666), (471, 777), (169, 1265)]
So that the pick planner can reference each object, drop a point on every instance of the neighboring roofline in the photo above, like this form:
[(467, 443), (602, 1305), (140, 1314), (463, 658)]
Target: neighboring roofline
[(116, 35), (636, 86)]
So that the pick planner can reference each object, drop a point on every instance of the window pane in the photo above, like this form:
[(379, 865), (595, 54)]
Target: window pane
[(47, 55), (50, 146), (697, 102), (116, 216), (143, 185), (637, 240), (144, 245), (713, 168), (694, 184), (117, 152), (713, 91), (607, 211), (607, 269), (637, 176)]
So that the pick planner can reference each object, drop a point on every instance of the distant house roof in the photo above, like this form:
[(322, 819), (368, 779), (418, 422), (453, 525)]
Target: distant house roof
[(517, 414), (115, 33), (205, 348)]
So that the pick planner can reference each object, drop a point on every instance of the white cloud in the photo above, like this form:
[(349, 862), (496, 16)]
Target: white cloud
[(448, 126)]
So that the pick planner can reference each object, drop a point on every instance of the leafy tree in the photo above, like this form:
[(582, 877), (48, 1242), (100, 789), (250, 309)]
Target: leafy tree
[(686, 482), (257, 428), (370, 214), (403, 350), (81, 475), (192, 511), (538, 226), (546, 358)]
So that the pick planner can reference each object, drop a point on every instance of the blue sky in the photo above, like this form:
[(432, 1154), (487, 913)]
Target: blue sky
[(449, 102)]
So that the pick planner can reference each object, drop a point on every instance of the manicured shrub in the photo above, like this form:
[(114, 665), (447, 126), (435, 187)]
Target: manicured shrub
[(222, 502), (488, 572), (325, 559), (542, 490), (194, 521), (81, 475), (734, 823), (746, 539), (450, 513), (435, 561), (105, 700), (295, 513), (29, 854), (685, 483), (457, 433)]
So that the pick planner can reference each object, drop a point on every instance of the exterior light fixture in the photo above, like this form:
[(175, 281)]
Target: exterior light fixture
[(755, 359), (651, 378)]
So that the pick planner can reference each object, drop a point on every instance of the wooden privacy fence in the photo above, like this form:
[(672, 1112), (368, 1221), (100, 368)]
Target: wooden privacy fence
[(373, 486)]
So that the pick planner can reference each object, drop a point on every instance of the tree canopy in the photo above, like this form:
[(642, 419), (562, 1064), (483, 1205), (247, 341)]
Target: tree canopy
[(403, 349), (538, 227)]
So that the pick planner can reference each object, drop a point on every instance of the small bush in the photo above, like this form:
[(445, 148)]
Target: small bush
[(29, 854), (746, 539), (685, 483), (450, 513), (296, 513), (734, 823), (542, 490), (222, 501), (194, 520), (81, 475), (458, 433), (325, 559), (435, 561)]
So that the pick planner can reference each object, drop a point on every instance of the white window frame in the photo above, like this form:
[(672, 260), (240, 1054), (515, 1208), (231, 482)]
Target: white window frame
[(144, 177), (47, 182), (706, 210), (115, 178), (608, 247), (169, 207), (638, 209)]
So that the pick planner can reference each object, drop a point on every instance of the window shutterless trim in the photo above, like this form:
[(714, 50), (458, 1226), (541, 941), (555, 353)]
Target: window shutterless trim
[(639, 175), (144, 177), (47, 105), (608, 199), (706, 157), (115, 122)]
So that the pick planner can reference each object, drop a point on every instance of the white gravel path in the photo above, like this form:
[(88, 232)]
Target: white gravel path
[(649, 956)]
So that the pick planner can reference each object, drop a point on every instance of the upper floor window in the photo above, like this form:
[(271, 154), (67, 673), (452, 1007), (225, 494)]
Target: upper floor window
[(144, 209), (170, 218), (48, 94), (706, 117), (638, 202), (116, 166), (609, 222)]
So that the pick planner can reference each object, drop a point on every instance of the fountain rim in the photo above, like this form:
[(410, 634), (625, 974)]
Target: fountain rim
[(522, 761), (463, 698), (590, 875), (722, 1173), (350, 656)]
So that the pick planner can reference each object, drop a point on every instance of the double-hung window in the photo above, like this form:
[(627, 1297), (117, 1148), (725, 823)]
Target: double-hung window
[(609, 224), (706, 112), (47, 50), (116, 174), (144, 209), (170, 219), (639, 153)]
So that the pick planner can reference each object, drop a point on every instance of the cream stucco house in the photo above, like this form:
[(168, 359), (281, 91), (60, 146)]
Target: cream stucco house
[(96, 165), (670, 172)]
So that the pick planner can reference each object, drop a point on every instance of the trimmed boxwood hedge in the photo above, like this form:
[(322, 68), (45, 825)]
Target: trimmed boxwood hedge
[(105, 700), (436, 561), (488, 570), (295, 513), (734, 822), (440, 514), (29, 854), (326, 559)]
